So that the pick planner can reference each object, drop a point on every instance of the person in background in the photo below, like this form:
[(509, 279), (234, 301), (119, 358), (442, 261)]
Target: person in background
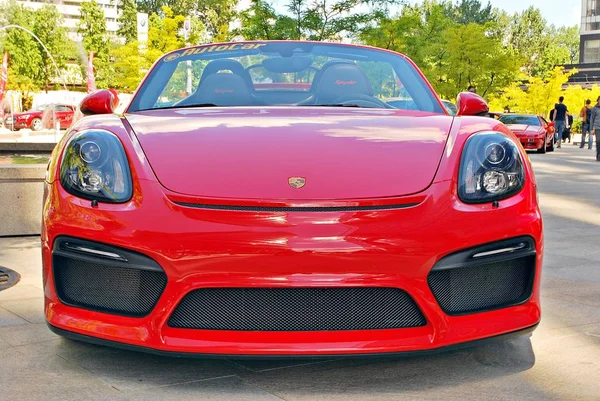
[(472, 89), (567, 131), (561, 114), (595, 125), (586, 115)]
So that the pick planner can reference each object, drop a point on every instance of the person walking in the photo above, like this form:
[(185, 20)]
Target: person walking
[(595, 126), (472, 89), (586, 115), (561, 114)]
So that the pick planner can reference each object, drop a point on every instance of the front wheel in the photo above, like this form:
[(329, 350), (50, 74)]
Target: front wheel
[(551, 148), (36, 124)]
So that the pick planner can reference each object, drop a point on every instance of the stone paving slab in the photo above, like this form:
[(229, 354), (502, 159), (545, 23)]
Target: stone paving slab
[(560, 361)]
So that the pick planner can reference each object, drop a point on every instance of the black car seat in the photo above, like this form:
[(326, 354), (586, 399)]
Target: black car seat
[(336, 80), (224, 83)]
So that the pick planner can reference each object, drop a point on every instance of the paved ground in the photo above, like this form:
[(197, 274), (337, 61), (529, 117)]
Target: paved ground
[(561, 361)]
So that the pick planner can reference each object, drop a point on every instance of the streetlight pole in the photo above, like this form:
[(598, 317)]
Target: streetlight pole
[(3, 28)]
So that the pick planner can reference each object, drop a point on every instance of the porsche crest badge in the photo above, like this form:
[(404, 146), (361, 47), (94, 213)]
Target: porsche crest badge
[(297, 182)]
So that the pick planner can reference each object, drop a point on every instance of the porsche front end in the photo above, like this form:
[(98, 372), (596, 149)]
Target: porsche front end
[(275, 231)]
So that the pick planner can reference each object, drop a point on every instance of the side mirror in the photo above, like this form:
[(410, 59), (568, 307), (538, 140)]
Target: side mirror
[(103, 101), (471, 104)]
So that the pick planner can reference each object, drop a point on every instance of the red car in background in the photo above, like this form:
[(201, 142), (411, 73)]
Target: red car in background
[(42, 117), (534, 132)]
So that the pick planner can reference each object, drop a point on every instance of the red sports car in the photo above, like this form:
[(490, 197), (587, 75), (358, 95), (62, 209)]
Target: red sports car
[(42, 117), (534, 132), (278, 206)]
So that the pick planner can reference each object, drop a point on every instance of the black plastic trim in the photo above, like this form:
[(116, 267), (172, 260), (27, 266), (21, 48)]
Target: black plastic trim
[(243, 208), (133, 260), (464, 259), (136, 348), (130, 259)]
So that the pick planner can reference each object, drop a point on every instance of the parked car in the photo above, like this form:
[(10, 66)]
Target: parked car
[(533, 131), (304, 217), (41, 117)]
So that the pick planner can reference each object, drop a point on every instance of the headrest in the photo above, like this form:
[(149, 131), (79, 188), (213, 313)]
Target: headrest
[(224, 89), (342, 79)]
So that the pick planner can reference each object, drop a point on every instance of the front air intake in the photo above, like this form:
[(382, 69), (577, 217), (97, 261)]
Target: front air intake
[(106, 279), (485, 278), (296, 309)]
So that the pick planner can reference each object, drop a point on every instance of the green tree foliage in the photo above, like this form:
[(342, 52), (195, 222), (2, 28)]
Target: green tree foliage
[(30, 65), (260, 21), (163, 33), (542, 46), (472, 58), (23, 55), (92, 27), (538, 96), (48, 27), (216, 15), (471, 11), (128, 20), (317, 20)]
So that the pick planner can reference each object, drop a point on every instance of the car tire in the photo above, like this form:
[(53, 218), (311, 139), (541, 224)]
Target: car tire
[(551, 148), (542, 149), (36, 124)]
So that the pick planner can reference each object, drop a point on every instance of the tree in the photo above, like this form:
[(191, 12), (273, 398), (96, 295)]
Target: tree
[(163, 33), (216, 15), (472, 58), (92, 27), (128, 20), (471, 11), (48, 26), (260, 21), (24, 56), (538, 96), (319, 20)]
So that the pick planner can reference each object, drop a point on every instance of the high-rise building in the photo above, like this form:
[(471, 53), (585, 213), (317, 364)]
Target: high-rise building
[(70, 10)]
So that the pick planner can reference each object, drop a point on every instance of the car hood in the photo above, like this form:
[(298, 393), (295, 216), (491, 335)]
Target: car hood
[(253, 153), (525, 129)]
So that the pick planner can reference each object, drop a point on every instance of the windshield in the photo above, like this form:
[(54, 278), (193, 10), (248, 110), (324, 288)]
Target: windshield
[(284, 73), (525, 120)]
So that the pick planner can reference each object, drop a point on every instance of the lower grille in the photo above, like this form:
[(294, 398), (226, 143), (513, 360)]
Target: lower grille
[(480, 287), (123, 287), (296, 309)]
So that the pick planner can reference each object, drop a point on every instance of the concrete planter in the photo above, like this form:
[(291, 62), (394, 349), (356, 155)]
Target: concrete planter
[(21, 194)]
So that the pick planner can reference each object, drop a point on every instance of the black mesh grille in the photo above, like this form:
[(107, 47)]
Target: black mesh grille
[(483, 287), (296, 309), (107, 288)]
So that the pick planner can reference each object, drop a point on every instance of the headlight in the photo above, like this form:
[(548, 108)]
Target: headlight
[(490, 168), (95, 167)]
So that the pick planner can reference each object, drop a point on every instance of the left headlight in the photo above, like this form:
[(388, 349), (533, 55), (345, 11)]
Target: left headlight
[(95, 167), (491, 168)]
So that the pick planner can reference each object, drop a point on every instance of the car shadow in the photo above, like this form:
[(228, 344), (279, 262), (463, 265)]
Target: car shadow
[(128, 370)]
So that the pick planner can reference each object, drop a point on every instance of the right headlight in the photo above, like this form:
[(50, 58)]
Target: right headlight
[(491, 168), (95, 167)]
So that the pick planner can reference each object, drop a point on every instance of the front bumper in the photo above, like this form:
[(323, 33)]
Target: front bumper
[(199, 248), (531, 143)]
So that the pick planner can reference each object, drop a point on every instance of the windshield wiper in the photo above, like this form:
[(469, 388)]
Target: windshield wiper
[(181, 106)]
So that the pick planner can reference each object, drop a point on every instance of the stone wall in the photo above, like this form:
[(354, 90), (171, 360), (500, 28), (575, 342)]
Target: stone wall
[(21, 193)]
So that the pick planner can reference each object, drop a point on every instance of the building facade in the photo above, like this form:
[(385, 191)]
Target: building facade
[(70, 10)]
